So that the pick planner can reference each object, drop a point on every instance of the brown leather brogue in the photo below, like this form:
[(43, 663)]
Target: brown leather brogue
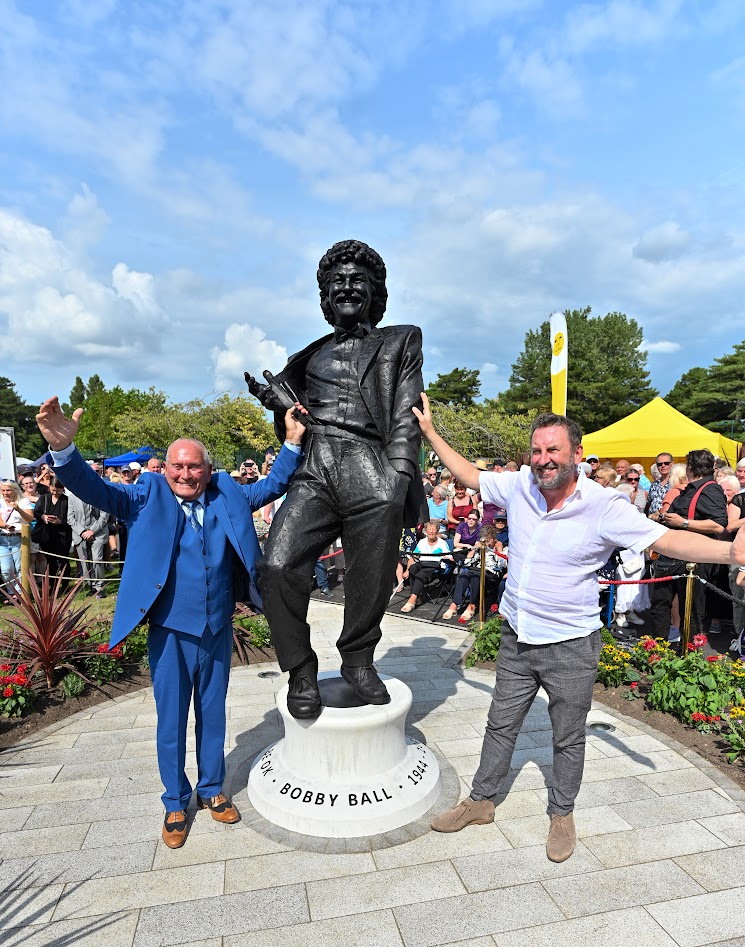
[(221, 807), (175, 829)]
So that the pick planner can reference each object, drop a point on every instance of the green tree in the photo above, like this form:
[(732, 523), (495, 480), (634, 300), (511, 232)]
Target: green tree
[(483, 430), (607, 374), (714, 396), (103, 408), (226, 426), (15, 413), (78, 395), (460, 387)]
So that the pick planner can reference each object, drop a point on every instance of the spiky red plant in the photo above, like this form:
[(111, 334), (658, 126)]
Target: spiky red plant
[(47, 636)]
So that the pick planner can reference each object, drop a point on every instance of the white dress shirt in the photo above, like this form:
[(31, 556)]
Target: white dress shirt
[(552, 588)]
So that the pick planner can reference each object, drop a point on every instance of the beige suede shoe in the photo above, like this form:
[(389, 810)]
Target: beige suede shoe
[(468, 812), (562, 838)]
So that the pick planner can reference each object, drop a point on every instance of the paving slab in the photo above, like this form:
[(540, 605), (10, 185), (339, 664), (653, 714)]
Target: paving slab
[(662, 834)]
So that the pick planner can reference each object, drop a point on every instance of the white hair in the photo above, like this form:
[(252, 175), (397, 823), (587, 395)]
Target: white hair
[(190, 440)]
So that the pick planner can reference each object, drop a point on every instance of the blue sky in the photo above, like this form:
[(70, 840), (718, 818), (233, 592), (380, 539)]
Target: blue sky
[(171, 173)]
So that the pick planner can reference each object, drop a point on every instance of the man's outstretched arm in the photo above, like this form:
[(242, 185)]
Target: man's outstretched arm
[(692, 547), (58, 430), (459, 467)]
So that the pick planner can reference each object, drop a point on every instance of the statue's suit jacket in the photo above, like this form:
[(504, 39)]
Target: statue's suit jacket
[(155, 520), (390, 378)]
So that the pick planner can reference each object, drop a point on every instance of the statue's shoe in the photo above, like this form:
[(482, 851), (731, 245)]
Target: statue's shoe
[(366, 684), (303, 697)]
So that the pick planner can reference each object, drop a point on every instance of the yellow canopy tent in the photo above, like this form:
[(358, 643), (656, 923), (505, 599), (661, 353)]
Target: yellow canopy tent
[(654, 428)]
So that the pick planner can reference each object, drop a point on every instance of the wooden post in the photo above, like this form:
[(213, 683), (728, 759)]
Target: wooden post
[(26, 556), (690, 579), (482, 584)]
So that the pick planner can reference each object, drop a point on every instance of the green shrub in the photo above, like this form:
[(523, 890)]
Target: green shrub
[(486, 642), (105, 665), (606, 637), (134, 646), (692, 684), (72, 685)]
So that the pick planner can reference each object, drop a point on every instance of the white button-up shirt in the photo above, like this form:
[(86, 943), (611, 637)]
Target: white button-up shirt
[(552, 588)]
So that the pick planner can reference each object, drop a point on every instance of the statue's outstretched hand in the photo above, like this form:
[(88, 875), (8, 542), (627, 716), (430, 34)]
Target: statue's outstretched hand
[(424, 417), (58, 430), (264, 393)]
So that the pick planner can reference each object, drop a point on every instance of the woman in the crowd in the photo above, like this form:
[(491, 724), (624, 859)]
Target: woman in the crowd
[(637, 496), (55, 536), (470, 575), (606, 476), (676, 485), (467, 533), (644, 482), (14, 512), (31, 493), (446, 482), (459, 506), (432, 551)]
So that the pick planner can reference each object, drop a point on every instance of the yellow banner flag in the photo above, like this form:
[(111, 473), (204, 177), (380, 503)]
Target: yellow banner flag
[(558, 363)]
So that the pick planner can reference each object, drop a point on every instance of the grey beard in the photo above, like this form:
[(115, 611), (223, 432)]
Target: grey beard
[(562, 475)]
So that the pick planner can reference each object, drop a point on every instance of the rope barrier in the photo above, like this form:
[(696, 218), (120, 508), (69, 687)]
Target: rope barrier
[(661, 578), (330, 555)]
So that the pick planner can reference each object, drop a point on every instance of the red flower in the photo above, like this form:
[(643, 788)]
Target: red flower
[(691, 647), (633, 685), (22, 668), (654, 657), (494, 609), (103, 648), (116, 651), (699, 641), (8, 692), (648, 644), (4, 667), (717, 717), (698, 718), (462, 621)]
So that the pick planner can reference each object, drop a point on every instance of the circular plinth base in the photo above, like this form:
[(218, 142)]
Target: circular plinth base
[(350, 772)]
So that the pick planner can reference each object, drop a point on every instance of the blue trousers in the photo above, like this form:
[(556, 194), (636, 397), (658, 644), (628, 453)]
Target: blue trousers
[(179, 665)]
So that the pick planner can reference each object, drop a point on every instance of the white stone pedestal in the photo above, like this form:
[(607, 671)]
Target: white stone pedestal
[(350, 772)]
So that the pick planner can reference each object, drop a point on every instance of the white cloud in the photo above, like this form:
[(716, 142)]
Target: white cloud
[(245, 349), (551, 81), (46, 294), (618, 22), (667, 241), (664, 347)]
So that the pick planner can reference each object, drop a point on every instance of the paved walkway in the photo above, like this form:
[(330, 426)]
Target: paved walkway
[(661, 855)]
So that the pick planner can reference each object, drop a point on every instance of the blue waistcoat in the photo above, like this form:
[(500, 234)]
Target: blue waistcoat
[(198, 592)]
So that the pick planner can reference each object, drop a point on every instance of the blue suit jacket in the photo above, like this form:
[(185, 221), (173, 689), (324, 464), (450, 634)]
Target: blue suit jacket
[(152, 514)]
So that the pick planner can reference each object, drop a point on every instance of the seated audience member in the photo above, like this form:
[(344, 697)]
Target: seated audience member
[(644, 482), (52, 529), (469, 578), (433, 552), (637, 496), (405, 549), (438, 508), (459, 506), (14, 512), (467, 533)]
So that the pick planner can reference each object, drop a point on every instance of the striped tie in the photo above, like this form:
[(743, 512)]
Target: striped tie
[(191, 513)]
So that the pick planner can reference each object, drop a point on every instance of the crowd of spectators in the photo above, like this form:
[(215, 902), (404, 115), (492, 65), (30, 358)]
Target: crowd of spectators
[(703, 494)]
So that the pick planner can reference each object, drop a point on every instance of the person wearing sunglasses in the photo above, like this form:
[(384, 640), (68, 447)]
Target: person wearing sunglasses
[(250, 471), (638, 496), (659, 488)]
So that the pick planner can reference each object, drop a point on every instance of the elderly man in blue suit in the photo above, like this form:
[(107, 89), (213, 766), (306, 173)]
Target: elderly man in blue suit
[(191, 534)]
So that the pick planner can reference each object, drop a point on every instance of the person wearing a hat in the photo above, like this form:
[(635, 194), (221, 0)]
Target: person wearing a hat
[(136, 470), (594, 461)]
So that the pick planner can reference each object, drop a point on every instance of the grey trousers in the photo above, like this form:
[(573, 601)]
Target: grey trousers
[(566, 670), (90, 554)]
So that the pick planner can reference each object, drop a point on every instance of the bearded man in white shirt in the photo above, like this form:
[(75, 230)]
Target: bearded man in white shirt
[(563, 528)]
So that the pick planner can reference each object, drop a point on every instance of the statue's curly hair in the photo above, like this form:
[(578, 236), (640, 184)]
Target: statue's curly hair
[(354, 251)]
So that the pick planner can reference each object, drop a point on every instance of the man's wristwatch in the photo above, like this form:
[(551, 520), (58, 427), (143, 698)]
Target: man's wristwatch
[(685, 524)]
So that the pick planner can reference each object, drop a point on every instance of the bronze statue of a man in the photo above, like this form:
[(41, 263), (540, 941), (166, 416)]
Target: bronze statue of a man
[(359, 478)]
